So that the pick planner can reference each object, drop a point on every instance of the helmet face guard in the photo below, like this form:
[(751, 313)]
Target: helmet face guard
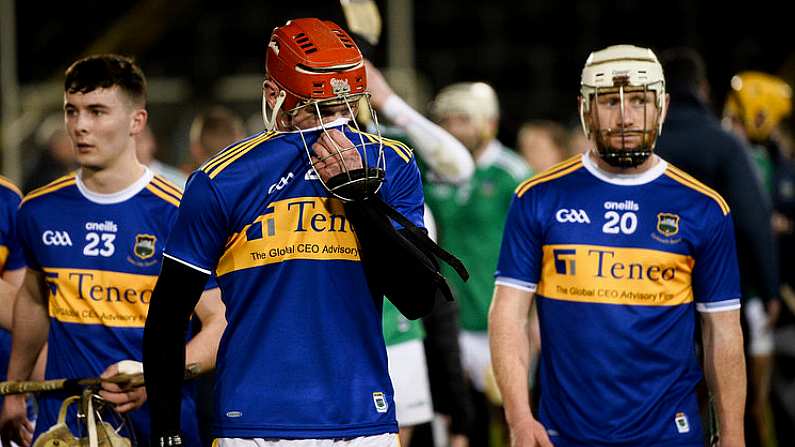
[(318, 69), (622, 70), (350, 184), (622, 155)]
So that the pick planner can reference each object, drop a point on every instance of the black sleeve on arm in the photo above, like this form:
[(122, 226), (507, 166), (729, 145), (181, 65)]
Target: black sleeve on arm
[(401, 265), (176, 293), (445, 373)]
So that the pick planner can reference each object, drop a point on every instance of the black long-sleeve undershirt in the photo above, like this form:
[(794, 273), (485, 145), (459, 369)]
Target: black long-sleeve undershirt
[(175, 295)]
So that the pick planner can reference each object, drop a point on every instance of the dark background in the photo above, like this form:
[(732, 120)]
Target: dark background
[(531, 51)]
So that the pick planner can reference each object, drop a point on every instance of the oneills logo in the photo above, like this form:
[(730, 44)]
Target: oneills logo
[(667, 224), (144, 246)]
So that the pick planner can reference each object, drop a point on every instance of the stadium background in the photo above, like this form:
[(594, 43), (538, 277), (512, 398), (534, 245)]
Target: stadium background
[(200, 52)]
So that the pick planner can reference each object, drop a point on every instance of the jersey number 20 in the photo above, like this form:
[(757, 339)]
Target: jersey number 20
[(626, 223)]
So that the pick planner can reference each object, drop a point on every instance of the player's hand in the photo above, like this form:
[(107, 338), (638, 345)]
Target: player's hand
[(14, 423), (125, 397), (379, 90), (334, 154), (534, 435)]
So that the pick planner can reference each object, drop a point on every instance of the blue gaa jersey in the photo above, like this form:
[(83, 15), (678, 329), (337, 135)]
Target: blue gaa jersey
[(303, 354), (619, 265), (100, 254), (11, 256)]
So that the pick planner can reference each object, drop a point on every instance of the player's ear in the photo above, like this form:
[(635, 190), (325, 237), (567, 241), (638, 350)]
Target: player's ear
[(138, 121), (585, 116), (270, 92), (666, 104)]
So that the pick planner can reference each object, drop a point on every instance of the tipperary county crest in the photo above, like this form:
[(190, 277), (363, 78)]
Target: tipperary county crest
[(668, 224), (340, 86), (144, 246)]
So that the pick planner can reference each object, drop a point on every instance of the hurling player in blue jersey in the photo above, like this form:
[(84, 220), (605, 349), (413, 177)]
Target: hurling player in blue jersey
[(622, 251), (12, 265), (93, 242), (293, 222)]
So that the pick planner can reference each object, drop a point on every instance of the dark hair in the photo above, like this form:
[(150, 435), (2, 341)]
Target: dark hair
[(105, 71), (684, 70)]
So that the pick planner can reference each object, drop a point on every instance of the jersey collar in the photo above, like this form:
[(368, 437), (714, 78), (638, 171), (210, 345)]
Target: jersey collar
[(115, 197), (625, 179)]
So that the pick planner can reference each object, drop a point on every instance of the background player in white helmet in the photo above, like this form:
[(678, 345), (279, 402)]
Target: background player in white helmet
[(470, 112), (589, 240)]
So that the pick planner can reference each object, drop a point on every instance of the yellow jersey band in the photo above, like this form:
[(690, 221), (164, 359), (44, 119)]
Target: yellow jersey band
[(99, 297), (616, 275)]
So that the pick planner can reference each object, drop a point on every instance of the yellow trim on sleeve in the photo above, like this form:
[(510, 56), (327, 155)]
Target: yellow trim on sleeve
[(168, 198), (687, 180), (548, 175), (225, 155), (549, 171), (10, 185), (167, 185), (239, 153), (400, 148), (60, 183)]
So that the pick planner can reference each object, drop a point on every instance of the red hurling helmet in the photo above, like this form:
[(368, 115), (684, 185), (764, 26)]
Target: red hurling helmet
[(312, 60)]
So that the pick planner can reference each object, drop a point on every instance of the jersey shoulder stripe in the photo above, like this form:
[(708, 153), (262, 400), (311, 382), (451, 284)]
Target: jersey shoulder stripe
[(559, 170), (399, 147), (689, 181), (8, 184), (55, 185), (243, 150), (166, 191), (231, 151), (167, 185), (162, 194)]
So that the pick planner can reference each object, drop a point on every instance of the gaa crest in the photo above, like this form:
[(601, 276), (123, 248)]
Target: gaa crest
[(668, 224), (340, 86), (144, 246)]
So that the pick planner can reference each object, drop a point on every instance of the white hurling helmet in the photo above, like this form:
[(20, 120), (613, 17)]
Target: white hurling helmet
[(620, 69)]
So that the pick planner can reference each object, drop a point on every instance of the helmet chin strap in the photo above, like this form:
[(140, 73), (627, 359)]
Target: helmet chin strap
[(270, 123)]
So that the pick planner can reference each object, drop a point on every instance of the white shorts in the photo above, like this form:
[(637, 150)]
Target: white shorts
[(475, 357), (409, 374), (760, 336), (385, 440)]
